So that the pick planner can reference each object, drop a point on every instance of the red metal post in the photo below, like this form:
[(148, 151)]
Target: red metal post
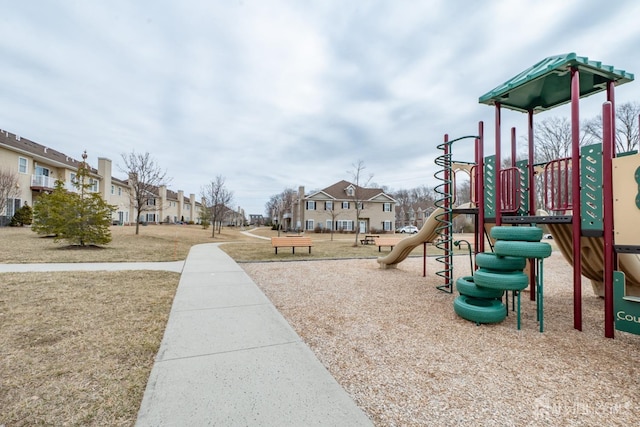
[(480, 186), (513, 147), (498, 190), (447, 217), (532, 187), (575, 196), (610, 258), (608, 220), (532, 199), (424, 259)]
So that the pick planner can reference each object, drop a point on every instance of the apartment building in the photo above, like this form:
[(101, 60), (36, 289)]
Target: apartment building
[(38, 168)]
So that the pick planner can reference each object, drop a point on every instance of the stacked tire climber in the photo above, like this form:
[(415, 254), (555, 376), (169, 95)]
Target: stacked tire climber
[(480, 297)]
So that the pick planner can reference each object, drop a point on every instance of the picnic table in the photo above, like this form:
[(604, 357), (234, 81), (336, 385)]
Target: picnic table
[(369, 239)]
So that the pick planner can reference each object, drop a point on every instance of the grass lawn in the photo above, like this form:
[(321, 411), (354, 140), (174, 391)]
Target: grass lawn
[(77, 347)]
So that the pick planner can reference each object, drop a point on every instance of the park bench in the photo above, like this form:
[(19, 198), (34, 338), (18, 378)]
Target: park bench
[(386, 241), (291, 242)]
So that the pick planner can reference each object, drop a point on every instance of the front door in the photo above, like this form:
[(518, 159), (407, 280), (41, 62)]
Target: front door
[(363, 226)]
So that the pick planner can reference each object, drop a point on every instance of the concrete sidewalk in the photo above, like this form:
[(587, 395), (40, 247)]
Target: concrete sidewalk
[(228, 358)]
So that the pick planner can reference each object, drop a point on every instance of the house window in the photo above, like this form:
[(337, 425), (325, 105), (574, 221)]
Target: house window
[(360, 205), (42, 171), (119, 191), (72, 176), (151, 202), (328, 206), (93, 185), (329, 224), (386, 207), (350, 191), (345, 205), (12, 206), (22, 165), (345, 224), (311, 205), (113, 189), (386, 225), (308, 224)]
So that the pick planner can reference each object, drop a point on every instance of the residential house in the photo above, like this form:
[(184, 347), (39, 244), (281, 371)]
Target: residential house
[(39, 167), (334, 208), (414, 214), (257, 219)]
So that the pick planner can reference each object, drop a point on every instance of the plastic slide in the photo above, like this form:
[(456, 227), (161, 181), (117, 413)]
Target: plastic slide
[(592, 258), (402, 250)]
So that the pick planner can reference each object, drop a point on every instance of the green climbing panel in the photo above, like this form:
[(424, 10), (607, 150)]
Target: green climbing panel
[(524, 187), (490, 187), (591, 187), (625, 309)]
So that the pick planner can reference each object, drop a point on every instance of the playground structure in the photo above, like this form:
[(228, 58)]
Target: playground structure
[(594, 194)]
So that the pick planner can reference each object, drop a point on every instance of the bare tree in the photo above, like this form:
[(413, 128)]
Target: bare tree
[(333, 214), (360, 182), (552, 139), (145, 177), (281, 204), (8, 188), (215, 201), (627, 137)]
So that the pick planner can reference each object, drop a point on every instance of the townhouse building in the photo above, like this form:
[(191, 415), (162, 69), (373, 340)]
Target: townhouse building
[(414, 214), (334, 208), (38, 168)]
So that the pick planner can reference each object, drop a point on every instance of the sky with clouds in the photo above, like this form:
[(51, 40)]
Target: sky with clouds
[(274, 94)]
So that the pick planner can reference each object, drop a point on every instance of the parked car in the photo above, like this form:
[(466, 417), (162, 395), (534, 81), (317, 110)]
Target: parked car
[(409, 229), (547, 236)]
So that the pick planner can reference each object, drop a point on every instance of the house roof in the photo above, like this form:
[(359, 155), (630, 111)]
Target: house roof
[(24, 145), (547, 84), (338, 191)]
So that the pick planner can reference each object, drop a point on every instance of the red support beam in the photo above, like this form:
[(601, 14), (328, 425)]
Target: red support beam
[(532, 199), (480, 188), (575, 196), (513, 147), (532, 187), (498, 190), (448, 190), (607, 151)]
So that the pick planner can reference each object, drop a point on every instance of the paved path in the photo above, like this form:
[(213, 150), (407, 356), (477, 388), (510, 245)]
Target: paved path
[(228, 358)]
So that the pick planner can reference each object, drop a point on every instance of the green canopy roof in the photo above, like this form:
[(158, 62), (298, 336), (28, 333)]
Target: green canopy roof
[(547, 84)]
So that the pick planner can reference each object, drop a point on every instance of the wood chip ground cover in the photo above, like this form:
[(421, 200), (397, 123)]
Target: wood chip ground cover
[(394, 343)]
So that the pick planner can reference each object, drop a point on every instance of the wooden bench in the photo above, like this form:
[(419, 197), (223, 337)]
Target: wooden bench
[(387, 241), (369, 239), (290, 242)]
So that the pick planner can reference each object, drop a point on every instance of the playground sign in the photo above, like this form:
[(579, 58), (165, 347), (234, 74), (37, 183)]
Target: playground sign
[(626, 309)]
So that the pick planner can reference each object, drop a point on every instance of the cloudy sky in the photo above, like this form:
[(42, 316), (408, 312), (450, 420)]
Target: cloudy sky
[(274, 94)]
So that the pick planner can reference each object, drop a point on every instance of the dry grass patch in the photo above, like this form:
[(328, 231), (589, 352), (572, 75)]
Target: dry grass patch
[(77, 347), (172, 243), (154, 243), (341, 247)]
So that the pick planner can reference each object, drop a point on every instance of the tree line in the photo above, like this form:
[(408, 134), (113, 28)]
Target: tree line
[(553, 140)]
